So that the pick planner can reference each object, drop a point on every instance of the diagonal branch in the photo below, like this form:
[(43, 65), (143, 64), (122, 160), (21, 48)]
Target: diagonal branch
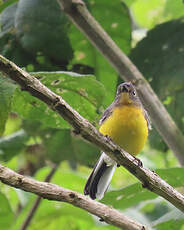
[(149, 179), (54, 192), (80, 16)]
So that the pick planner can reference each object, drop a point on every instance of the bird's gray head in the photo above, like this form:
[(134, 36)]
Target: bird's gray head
[(126, 94)]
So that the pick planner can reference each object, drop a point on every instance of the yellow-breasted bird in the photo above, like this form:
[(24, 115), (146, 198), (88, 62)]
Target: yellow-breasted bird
[(126, 122)]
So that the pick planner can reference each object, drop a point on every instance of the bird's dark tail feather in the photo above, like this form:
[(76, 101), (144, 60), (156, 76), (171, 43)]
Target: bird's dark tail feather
[(99, 180)]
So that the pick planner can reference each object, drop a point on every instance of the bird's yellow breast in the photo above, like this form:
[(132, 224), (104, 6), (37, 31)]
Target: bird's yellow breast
[(127, 127)]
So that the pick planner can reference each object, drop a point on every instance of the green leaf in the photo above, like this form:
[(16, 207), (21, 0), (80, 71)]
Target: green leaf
[(174, 9), (12, 145), (6, 92), (7, 3), (172, 220), (58, 145), (6, 213), (82, 92), (154, 209), (85, 152), (160, 57), (114, 17), (64, 177), (148, 13), (23, 214), (62, 145), (173, 176), (128, 196), (52, 215), (129, 2), (7, 17), (135, 193), (34, 22)]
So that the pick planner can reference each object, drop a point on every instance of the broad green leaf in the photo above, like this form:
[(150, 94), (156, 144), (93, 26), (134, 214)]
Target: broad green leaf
[(114, 17), (6, 213), (154, 209), (160, 57), (34, 22), (13, 124), (54, 214), (135, 193), (63, 145), (83, 85), (6, 92), (10, 192), (172, 220), (5, 4), (129, 2), (64, 177), (23, 214), (174, 9), (82, 92), (137, 215), (128, 196), (58, 145), (12, 145), (7, 17), (173, 176), (85, 152), (148, 13)]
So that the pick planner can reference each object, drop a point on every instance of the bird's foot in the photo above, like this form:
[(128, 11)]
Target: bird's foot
[(108, 138), (101, 220), (138, 161)]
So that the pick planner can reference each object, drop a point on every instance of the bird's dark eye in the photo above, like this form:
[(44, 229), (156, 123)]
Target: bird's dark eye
[(134, 93)]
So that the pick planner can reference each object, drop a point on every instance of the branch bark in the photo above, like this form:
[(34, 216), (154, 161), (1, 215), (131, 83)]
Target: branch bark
[(37, 201), (80, 16), (149, 179), (54, 192)]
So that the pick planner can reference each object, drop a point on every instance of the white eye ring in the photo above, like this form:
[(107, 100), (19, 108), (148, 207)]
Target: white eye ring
[(134, 93)]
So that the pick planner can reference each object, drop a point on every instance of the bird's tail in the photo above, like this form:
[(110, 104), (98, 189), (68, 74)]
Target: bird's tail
[(100, 178)]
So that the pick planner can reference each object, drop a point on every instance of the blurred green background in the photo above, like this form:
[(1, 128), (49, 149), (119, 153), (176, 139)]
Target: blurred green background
[(38, 37)]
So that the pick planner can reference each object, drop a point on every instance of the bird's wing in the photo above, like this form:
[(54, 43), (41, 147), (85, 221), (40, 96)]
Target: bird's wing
[(147, 119), (107, 113)]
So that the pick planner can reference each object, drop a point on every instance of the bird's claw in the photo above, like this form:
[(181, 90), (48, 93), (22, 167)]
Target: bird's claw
[(138, 161)]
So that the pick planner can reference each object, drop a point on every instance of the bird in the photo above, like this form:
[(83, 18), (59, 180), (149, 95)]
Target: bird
[(126, 123)]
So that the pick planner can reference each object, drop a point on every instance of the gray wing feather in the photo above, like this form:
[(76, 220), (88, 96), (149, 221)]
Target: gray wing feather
[(147, 119), (106, 113)]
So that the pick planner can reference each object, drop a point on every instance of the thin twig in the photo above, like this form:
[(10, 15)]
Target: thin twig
[(81, 17), (54, 192), (149, 179), (37, 201)]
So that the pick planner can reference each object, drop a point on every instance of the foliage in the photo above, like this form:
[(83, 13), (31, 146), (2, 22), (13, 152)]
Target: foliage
[(6, 213), (76, 89), (6, 93), (38, 36), (169, 73), (117, 24)]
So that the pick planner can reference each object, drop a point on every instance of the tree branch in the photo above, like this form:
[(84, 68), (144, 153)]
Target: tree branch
[(54, 192), (80, 16), (37, 201), (149, 179)]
